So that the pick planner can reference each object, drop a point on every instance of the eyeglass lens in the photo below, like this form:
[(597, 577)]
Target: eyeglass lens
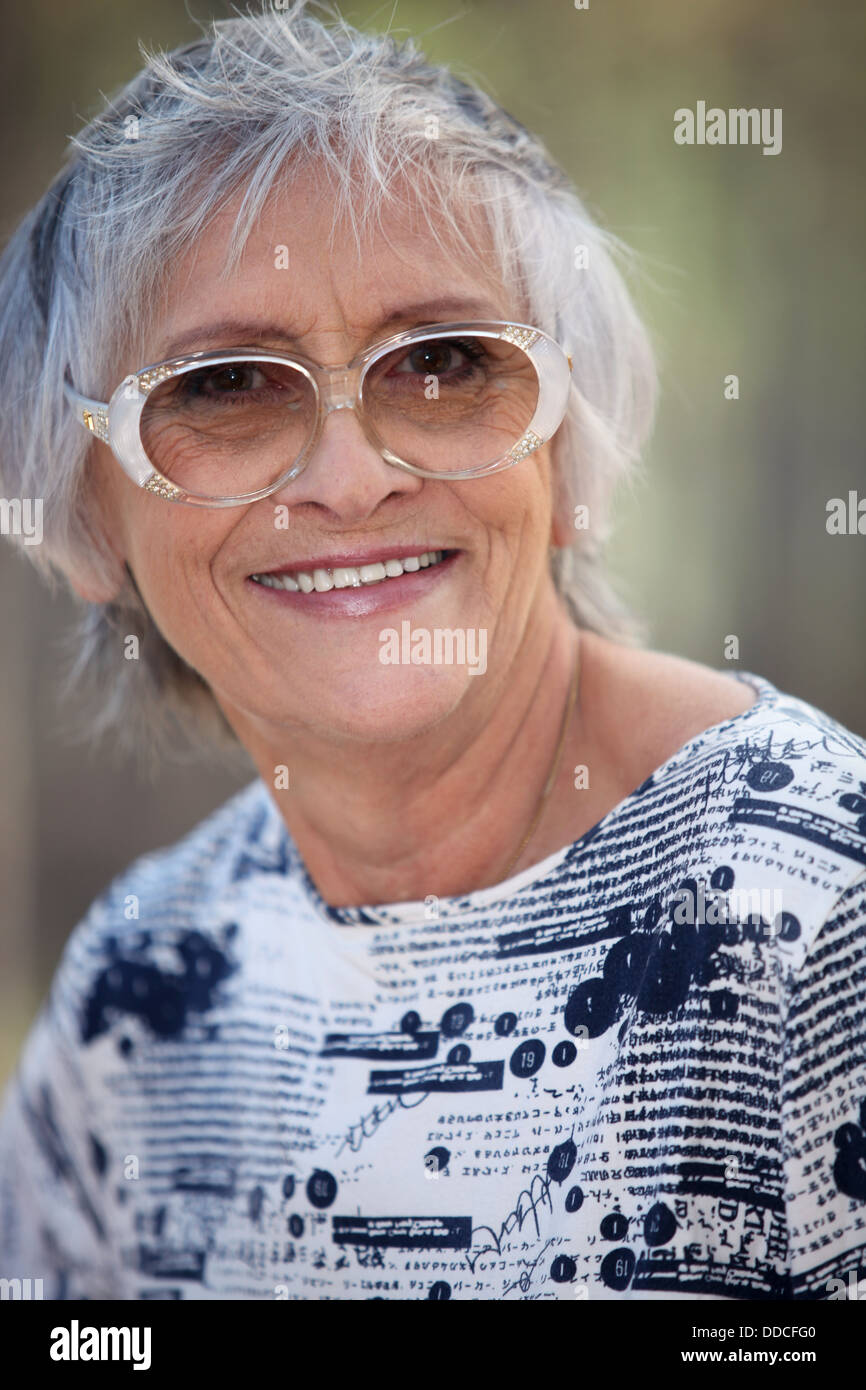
[(443, 404)]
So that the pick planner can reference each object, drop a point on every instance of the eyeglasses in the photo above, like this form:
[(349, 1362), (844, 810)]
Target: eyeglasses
[(226, 428)]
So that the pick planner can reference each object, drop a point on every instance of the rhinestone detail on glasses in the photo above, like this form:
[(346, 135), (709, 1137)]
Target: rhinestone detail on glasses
[(521, 337), (527, 445), (159, 485), (97, 423), (151, 377)]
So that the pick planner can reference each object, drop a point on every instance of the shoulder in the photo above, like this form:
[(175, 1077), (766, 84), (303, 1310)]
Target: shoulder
[(159, 926), (653, 706), (648, 704), (177, 882), (775, 787), (181, 879), (153, 960)]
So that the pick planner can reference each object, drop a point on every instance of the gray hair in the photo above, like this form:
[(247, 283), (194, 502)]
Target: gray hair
[(230, 112)]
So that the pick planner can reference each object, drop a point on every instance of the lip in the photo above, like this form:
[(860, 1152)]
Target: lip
[(353, 558), (387, 596)]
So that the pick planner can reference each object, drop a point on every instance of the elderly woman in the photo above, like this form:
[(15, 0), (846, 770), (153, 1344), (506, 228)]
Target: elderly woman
[(531, 963)]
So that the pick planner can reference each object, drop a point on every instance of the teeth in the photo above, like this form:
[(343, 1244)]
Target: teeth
[(348, 577), (371, 574), (274, 581)]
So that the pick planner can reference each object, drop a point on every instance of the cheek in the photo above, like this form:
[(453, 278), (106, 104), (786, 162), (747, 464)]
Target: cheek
[(160, 542), (514, 508), (171, 558)]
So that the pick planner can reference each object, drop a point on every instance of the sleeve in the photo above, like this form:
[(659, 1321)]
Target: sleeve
[(824, 1107), (54, 1226)]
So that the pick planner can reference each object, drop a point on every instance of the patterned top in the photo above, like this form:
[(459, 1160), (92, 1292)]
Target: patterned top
[(636, 1069)]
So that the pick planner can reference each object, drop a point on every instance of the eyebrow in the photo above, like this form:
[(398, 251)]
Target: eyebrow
[(246, 332)]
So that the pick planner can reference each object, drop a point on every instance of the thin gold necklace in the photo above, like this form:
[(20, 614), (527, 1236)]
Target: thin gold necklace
[(554, 768)]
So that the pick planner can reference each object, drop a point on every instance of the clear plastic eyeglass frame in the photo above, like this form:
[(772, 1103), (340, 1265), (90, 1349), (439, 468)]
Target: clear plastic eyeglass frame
[(117, 422)]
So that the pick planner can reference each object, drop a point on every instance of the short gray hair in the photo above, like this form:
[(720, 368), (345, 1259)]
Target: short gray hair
[(230, 112)]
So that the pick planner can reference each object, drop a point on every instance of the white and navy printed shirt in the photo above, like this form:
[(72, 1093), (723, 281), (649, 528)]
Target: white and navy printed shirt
[(635, 1070)]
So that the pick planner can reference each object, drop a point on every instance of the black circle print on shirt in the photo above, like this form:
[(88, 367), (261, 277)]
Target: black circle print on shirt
[(849, 1169), (768, 776), (437, 1160), (655, 967), (505, 1024), (617, 1268), (527, 1058), (456, 1020), (614, 1226), (561, 1160), (659, 1225), (322, 1188), (563, 1269), (853, 801)]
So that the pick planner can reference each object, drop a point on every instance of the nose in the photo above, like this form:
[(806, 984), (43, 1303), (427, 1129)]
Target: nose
[(346, 475)]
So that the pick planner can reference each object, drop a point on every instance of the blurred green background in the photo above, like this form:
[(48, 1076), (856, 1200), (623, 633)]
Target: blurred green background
[(751, 265)]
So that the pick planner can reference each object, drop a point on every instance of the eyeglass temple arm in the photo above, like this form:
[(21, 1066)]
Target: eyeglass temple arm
[(93, 415)]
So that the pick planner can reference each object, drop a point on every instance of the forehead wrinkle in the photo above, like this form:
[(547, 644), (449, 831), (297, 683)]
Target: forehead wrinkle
[(406, 255), (239, 331)]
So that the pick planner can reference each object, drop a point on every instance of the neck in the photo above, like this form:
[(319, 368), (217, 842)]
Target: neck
[(390, 822)]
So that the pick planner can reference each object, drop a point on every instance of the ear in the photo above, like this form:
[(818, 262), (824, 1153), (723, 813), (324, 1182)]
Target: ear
[(561, 530), (561, 516), (105, 579), (102, 584), (94, 591)]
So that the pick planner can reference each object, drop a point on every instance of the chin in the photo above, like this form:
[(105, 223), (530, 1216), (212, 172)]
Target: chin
[(388, 705)]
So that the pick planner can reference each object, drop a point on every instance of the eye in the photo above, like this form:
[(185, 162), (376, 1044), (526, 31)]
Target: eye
[(438, 356), (233, 379)]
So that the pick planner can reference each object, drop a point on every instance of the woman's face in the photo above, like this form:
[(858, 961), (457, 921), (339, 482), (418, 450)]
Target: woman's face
[(289, 660)]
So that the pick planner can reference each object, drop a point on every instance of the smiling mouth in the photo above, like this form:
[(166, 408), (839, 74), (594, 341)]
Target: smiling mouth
[(349, 576)]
